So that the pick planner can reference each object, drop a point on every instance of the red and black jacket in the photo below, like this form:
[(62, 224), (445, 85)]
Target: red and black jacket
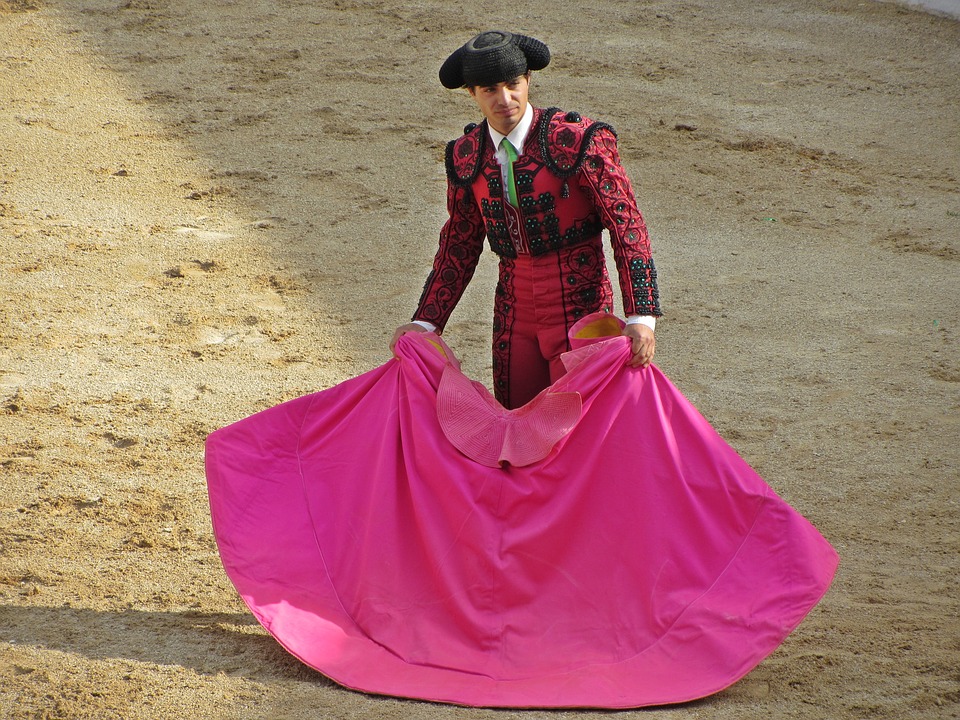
[(570, 185)]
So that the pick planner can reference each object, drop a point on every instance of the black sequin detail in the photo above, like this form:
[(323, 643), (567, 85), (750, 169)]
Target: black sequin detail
[(478, 137), (549, 160), (643, 280)]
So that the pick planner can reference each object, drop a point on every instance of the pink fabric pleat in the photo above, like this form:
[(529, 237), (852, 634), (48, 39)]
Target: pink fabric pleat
[(486, 432), (639, 561)]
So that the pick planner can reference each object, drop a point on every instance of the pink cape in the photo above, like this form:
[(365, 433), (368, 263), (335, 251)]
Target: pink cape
[(605, 548)]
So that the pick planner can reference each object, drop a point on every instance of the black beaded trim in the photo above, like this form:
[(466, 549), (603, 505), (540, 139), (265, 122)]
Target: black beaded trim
[(544, 138), (465, 181), (643, 279)]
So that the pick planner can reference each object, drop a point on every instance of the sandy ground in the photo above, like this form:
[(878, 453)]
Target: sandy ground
[(208, 208)]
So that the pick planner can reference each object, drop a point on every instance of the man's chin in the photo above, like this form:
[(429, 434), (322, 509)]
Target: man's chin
[(506, 122)]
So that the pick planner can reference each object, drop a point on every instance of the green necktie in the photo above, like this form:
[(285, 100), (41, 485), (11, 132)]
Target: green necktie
[(511, 180)]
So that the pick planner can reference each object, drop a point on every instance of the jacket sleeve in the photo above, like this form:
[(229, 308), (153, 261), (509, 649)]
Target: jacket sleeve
[(461, 242), (604, 178)]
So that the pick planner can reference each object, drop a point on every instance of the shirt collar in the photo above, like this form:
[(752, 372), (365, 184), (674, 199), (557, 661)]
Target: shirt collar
[(517, 136)]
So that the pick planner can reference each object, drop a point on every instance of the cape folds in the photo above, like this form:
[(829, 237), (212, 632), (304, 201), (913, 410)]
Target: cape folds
[(378, 553)]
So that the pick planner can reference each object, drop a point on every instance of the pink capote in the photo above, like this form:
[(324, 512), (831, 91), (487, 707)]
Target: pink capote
[(637, 561)]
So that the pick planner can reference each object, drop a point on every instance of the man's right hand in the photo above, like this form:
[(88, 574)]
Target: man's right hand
[(403, 329)]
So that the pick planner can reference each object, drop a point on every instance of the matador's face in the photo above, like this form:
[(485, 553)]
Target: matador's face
[(503, 104)]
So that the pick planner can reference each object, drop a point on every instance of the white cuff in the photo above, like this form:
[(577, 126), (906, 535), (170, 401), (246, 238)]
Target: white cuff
[(428, 326), (649, 320)]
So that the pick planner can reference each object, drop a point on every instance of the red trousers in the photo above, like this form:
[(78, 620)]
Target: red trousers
[(536, 332)]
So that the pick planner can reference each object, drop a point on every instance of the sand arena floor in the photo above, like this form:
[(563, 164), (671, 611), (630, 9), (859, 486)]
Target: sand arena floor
[(208, 208)]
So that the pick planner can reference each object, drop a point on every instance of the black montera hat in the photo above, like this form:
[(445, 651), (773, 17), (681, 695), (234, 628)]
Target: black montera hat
[(493, 57)]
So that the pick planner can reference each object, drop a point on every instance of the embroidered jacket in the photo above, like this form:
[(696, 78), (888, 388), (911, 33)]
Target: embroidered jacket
[(570, 185)]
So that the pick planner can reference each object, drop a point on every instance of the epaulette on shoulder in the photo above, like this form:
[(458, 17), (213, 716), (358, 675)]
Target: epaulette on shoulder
[(464, 155), (564, 139)]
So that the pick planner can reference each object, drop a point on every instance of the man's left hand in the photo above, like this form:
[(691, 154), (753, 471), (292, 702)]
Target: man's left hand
[(643, 344)]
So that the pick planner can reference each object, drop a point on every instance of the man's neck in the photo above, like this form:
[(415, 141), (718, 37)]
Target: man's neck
[(518, 134)]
